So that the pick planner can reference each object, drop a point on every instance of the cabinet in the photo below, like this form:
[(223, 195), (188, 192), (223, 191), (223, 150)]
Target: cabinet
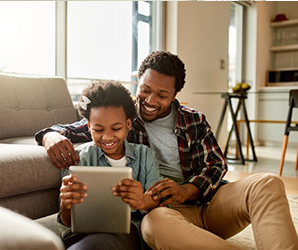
[(284, 52)]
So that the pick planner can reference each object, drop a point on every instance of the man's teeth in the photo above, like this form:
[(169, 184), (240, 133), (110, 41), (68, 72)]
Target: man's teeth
[(150, 109), (109, 144)]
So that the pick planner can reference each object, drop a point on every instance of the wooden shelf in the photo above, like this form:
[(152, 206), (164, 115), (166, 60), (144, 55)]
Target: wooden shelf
[(285, 23), (285, 47)]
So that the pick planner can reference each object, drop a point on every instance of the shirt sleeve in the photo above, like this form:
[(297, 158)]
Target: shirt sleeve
[(75, 132), (207, 161), (152, 169)]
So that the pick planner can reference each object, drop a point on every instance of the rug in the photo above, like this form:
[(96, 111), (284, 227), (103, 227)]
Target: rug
[(245, 239)]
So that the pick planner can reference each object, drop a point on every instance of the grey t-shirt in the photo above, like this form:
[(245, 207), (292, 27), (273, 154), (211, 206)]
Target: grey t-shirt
[(164, 142)]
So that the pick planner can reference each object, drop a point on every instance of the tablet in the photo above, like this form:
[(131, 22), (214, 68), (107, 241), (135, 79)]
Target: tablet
[(100, 211)]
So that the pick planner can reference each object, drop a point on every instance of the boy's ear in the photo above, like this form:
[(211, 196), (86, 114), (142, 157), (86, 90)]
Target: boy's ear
[(88, 124), (128, 122)]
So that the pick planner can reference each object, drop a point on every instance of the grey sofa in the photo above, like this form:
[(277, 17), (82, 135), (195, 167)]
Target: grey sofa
[(29, 181)]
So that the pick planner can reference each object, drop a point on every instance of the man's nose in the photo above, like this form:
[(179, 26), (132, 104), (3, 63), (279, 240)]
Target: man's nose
[(151, 99)]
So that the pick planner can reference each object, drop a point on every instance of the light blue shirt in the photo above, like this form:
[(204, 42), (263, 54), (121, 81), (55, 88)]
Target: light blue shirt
[(140, 158)]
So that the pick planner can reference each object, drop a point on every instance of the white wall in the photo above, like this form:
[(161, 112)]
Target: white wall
[(198, 33), (201, 29)]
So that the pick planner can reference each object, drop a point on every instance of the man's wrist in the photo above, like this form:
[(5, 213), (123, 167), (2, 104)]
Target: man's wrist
[(191, 190)]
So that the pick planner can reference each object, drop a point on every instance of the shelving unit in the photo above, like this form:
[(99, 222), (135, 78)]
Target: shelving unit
[(284, 50), (285, 23)]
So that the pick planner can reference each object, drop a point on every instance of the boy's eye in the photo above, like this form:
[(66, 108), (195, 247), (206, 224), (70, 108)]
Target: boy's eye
[(98, 130), (117, 129), (162, 97)]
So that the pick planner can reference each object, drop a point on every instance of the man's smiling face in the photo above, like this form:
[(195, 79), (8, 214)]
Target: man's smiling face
[(155, 94)]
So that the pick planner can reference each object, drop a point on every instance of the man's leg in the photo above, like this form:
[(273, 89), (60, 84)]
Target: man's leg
[(259, 199), (179, 228)]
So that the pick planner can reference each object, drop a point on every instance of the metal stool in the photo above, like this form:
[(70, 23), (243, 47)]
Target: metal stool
[(293, 103)]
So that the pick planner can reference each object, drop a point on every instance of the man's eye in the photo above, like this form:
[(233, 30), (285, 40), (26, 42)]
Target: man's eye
[(117, 129), (145, 91), (162, 97)]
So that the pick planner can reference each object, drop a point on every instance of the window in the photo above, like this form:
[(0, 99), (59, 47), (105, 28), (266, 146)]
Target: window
[(106, 40), (235, 45), (27, 37), (78, 40)]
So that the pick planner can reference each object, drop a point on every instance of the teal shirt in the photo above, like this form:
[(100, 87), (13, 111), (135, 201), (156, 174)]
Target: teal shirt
[(139, 157)]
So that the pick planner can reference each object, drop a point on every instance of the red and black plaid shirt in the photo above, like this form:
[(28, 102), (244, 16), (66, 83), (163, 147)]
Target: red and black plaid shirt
[(202, 161)]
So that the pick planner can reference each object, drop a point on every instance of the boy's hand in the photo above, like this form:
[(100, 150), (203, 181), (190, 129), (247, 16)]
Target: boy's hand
[(71, 192), (131, 192)]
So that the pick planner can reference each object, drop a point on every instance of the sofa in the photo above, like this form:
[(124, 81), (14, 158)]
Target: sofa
[(29, 181)]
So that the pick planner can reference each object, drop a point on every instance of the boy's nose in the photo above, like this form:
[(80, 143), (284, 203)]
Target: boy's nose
[(107, 135)]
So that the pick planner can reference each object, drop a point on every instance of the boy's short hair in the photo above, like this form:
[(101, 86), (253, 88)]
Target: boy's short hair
[(107, 94), (165, 63)]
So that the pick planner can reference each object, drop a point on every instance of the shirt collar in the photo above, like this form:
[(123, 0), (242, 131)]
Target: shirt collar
[(128, 151)]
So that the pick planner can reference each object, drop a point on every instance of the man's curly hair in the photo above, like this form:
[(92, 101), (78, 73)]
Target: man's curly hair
[(107, 94), (165, 63)]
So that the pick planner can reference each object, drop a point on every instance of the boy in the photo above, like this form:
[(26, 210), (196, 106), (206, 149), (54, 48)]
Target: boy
[(109, 111)]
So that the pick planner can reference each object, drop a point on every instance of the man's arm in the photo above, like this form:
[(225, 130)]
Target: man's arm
[(75, 132), (208, 162), (58, 140)]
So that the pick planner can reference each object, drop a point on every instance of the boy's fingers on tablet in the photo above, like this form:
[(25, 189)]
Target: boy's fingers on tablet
[(72, 196), (129, 182)]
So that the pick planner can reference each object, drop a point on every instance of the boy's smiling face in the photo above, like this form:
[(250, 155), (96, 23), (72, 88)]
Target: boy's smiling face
[(108, 127)]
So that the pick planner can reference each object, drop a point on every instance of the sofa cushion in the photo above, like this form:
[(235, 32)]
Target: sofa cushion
[(24, 140), (26, 169), (29, 104), (19, 232)]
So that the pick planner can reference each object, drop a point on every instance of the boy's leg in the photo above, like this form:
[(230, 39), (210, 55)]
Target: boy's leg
[(259, 199), (179, 228), (105, 241)]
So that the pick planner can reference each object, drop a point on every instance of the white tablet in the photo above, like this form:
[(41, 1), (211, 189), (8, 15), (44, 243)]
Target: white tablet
[(100, 211)]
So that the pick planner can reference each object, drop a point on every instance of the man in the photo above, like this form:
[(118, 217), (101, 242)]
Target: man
[(196, 210)]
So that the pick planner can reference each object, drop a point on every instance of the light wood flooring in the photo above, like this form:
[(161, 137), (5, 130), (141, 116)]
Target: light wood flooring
[(268, 162)]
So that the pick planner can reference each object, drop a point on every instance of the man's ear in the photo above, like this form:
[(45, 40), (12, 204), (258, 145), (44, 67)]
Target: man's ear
[(174, 97)]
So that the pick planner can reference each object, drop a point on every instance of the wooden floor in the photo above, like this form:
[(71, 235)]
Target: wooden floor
[(268, 162), (291, 183)]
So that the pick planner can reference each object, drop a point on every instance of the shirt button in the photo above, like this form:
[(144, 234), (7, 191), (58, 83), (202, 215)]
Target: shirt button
[(17, 108), (48, 109)]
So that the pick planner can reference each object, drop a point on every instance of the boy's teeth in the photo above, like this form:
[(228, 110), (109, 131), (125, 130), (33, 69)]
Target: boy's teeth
[(109, 144)]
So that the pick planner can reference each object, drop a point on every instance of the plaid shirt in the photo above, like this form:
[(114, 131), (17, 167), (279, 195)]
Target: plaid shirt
[(202, 161)]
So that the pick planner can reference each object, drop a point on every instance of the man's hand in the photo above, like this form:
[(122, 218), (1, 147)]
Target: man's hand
[(60, 150), (172, 191)]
